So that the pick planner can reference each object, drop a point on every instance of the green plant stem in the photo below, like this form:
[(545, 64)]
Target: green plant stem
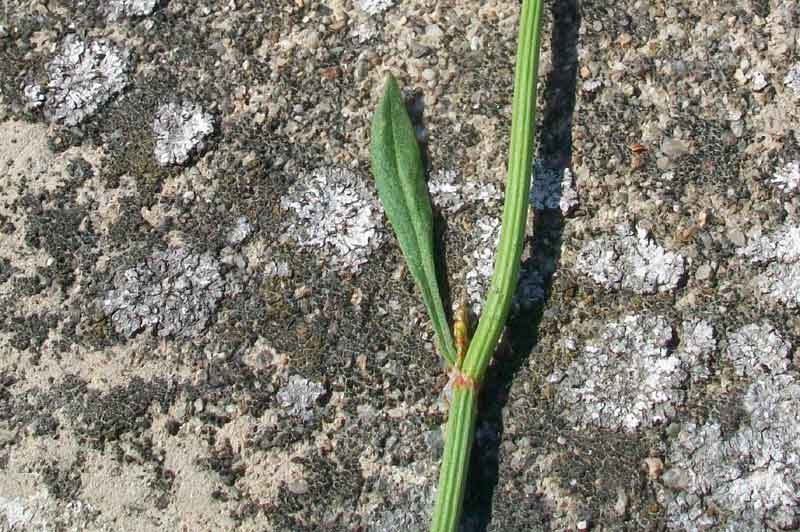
[(461, 421), (515, 210), (457, 448)]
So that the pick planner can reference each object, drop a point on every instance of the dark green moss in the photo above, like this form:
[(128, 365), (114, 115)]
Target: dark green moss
[(63, 483), (62, 232), (34, 408), (331, 484), (28, 286), (30, 331), (5, 270), (224, 463), (80, 169), (102, 417)]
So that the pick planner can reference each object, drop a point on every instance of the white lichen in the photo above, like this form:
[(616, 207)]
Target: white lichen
[(747, 480), (778, 256), (83, 77), (629, 379), (336, 213), (239, 232), (553, 188), (117, 9), (480, 262), (180, 129), (480, 266), (758, 81), (758, 348), (697, 348), (173, 293), (631, 261), (783, 245), (792, 79), (788, 177), (299, 396), (374, 7), (452, 196), (35, 94)]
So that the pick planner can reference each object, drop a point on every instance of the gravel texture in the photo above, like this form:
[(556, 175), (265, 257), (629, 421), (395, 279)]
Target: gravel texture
[(205, 313)]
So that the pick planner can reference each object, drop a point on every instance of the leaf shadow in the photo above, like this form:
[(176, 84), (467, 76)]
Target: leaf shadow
[(554, 155)]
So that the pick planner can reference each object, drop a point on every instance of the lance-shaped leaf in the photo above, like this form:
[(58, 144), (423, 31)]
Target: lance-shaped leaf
[(399, 176)]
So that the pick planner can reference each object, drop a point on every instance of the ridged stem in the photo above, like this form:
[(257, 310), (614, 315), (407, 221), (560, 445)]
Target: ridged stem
[(515, 210), (455, 462), (463, 411)]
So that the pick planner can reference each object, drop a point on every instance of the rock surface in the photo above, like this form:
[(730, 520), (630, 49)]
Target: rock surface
[(206, 315)]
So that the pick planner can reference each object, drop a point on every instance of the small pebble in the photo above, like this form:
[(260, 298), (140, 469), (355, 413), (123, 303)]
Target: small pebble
[(674, 148), (703, 272), (654, 467), (759, 82)]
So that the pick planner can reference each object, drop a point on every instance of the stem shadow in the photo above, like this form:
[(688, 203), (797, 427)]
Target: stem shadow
[(554, 155)]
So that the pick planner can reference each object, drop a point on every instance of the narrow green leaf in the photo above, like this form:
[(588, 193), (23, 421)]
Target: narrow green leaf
[(399, 176)]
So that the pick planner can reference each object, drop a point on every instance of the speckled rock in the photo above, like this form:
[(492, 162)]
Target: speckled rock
[(695, 149)]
